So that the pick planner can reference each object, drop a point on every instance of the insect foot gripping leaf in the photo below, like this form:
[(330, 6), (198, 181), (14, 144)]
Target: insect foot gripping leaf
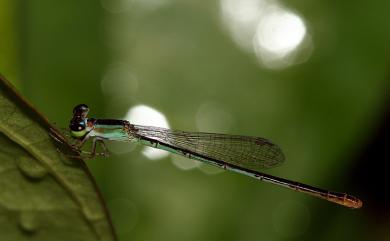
[(44, 195)]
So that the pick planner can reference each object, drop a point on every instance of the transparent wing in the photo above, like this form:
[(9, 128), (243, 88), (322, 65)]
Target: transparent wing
[(248, 152)]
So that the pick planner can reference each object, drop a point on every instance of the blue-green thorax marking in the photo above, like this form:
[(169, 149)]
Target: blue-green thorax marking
[(108, 129)]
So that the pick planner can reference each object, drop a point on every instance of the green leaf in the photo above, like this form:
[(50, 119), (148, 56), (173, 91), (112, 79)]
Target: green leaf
[(44, 194)]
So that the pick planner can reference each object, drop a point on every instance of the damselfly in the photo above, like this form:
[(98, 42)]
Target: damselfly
[(242, 154)]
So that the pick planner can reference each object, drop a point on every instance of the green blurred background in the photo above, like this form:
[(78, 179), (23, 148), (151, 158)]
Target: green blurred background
[(228, 66)]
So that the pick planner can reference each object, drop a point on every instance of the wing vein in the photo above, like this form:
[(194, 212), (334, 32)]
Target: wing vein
[(245, 151)]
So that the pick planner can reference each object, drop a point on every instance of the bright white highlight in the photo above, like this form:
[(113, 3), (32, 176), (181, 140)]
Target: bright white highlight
[(145, 115), (241, 18), (280, 31), (278, 34), (266, 28)]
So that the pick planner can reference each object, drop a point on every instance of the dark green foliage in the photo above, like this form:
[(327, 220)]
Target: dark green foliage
[(44, 195)]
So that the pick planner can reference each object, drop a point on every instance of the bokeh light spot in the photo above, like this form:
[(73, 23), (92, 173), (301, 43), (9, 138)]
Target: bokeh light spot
[(266, 28), (241, 18), (209, 169), (148, 116), (184, 163), (278, 34), (280, 31)]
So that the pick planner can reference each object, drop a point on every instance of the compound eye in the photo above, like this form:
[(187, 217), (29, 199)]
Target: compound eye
[(80, 110), (77, 130), (77, 126)]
